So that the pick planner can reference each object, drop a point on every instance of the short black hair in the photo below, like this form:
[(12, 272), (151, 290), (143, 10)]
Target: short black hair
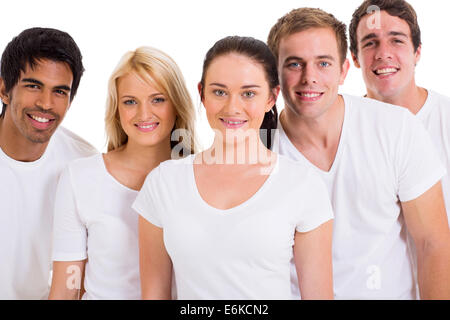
[(35, 44)]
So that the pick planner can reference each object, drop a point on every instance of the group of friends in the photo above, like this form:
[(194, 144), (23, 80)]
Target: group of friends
[(336, 196)]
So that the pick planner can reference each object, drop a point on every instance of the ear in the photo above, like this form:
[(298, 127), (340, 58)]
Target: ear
[(418, 54), (3, 94), (199, 88), (355, 61), (344, 71), (272, 98)]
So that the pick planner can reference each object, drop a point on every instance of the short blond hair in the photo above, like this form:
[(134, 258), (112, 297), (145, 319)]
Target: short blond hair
[(161, 71), (307, 18)]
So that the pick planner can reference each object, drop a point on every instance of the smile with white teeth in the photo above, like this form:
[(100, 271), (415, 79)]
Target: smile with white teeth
[(385, 71), (148, 126), (233, 122), (309, 95), (39, 119)]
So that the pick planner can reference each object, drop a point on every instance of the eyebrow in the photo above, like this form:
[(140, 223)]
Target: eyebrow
[(392, 33), (243, 87), (31, 80), (134, 97), (324, 56)]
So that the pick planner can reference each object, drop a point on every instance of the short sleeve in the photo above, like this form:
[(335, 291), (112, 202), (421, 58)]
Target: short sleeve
[(316, 207), (69, 232), (146, 201), (418, 163)]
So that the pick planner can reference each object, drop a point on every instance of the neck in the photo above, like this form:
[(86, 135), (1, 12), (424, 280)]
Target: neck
[(16, 146), (412, 97), (145, 157), (248, 150), (319, 132)]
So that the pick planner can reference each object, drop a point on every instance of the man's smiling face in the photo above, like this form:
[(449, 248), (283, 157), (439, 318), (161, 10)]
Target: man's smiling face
[(386, 56)]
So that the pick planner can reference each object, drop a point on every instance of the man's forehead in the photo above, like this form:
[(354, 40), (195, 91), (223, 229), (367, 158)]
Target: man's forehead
[(294, 41), (48, 69), (382, 23)]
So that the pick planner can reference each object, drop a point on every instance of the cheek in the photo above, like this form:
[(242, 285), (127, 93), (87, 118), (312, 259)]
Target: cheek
[(212, 107), (289, 79), (125, 114)]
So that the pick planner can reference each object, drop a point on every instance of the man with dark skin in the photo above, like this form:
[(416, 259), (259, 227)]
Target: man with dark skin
[(40, 73)]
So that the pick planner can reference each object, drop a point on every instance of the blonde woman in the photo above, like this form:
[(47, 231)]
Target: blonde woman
[(147, 102)]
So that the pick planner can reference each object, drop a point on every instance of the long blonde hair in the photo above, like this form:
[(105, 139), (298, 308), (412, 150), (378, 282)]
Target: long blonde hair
[(161, 71)]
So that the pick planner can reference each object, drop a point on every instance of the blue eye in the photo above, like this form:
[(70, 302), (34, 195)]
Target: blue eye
[(158, 100), (130, 102), (294, 65), (324, 64)]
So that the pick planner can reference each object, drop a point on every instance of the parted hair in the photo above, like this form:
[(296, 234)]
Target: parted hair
[(302, 19), (160, 70), (396, 8), (259, 52)]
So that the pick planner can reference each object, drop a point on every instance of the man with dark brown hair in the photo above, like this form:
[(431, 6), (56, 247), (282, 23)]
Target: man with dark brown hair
[(386, 45), (382, 173)]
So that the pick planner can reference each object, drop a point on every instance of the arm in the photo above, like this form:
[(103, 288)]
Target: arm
[(67, 280), (313, 261), (154, 262), (427, 223)]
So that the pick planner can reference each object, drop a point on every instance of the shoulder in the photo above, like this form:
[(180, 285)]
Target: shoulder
[(443, 102), (171, 170), (376, 116), (84, 168), (371, 107), (294, 172), (71, 144)]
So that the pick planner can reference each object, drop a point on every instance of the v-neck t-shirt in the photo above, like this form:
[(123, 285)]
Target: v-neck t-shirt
[(94, 220), (385, 156), (239, 253)]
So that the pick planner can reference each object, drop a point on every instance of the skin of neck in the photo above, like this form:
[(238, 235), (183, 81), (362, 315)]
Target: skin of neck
[(411, 97), (146, 158), (319, 132), (15, 145), (245, 151)]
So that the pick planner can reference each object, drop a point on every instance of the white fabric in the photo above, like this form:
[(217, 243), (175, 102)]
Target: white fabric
[(27, 194), (94, 220), (384, 155), (435, 115), (239, 253)]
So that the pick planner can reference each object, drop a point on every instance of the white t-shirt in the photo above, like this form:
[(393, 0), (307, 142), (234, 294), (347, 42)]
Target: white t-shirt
[(94, 220), (435, 115), (239, 253), (27, 194), (384, 156)]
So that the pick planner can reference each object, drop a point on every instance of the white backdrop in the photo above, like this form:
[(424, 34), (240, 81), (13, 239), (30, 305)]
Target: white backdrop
[(105, 30)]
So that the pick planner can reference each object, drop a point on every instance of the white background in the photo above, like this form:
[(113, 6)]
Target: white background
[(105, 30)]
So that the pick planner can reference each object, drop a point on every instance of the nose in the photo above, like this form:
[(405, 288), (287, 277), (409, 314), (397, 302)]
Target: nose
[(144, 111), (383, 51), (45, 100), (309, 74), (233, 104)]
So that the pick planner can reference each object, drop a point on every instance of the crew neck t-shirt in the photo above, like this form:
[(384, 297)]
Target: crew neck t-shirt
[(27, 195), (435, 115), (94, 220), (239, 253), (384, 156)]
